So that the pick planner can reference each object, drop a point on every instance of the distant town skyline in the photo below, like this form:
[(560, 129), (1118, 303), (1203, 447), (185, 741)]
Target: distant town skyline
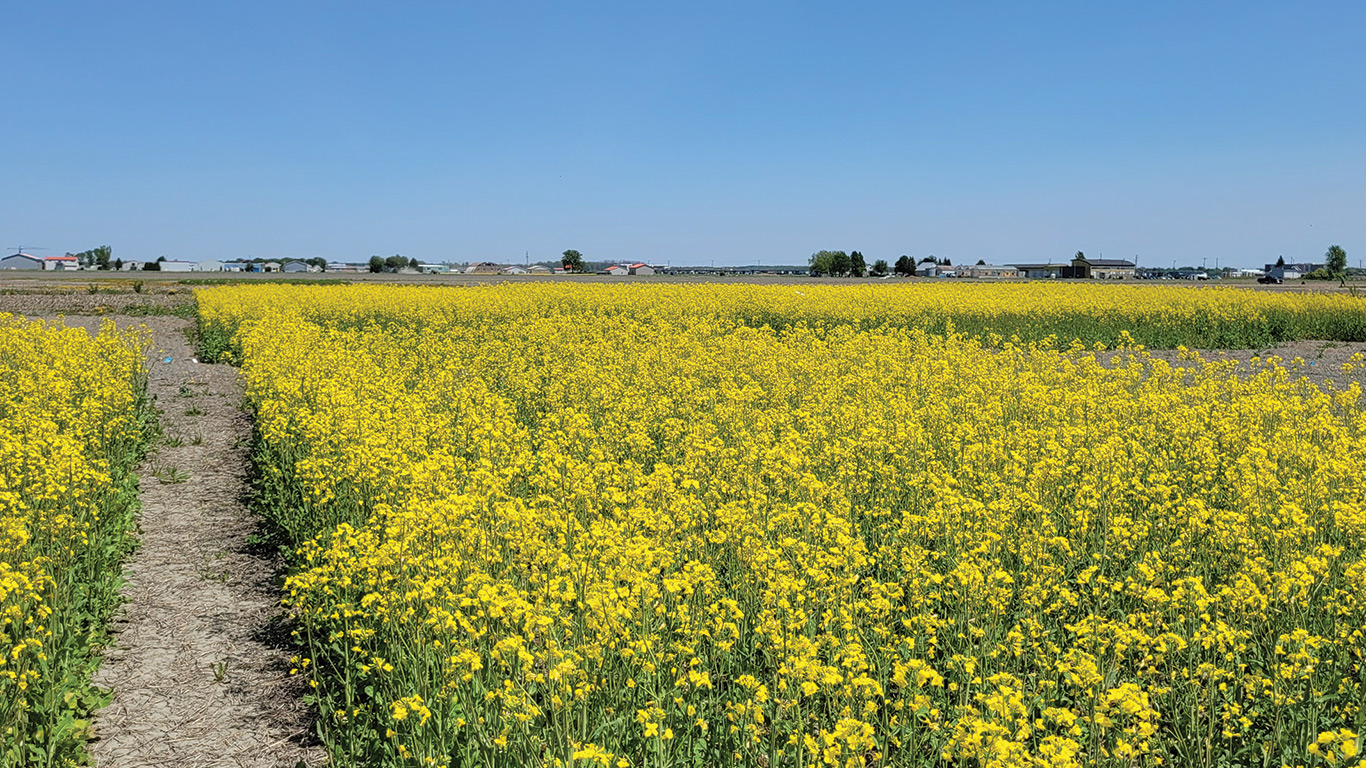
[(707, 133)]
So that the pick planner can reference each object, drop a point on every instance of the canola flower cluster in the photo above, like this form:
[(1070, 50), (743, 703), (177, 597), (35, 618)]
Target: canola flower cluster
[(72, 424), (553, 529)]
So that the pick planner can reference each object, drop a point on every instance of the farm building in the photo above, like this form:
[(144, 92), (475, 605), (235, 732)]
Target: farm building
[(512, 270), (61, 263), (177, 265), (988, 270), (1041, 271), (538, 269), (617, 269), (433, 269), (21, 260), (641, 269), (1084, 267), (207, 266), (294, 266), (483, 268), (1291, 271)]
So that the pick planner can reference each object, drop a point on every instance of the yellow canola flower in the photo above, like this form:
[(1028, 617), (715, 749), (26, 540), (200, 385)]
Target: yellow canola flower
[(821, 529), (71, 410)]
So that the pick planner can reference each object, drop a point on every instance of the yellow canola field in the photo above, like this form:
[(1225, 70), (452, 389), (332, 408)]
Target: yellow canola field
[(664, 537), (71, 427), (1152, 315)]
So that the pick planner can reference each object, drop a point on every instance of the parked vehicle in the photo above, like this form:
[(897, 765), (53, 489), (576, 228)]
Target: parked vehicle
[(1269, 280)]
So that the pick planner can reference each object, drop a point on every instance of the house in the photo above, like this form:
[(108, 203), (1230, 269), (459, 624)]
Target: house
[(641, 269), (60, 263), (1084, 267), (483, 268), (616, 269), (1042, 271), (21, 260), (177, 265), (1286, 271), (988, 270), (268, 266), (207, 266), (294, 266)]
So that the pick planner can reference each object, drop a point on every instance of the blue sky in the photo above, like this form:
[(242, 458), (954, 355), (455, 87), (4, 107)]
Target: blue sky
[(685, 133)]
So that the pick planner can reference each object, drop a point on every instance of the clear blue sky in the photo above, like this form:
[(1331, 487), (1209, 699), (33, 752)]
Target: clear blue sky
[(685, 132)]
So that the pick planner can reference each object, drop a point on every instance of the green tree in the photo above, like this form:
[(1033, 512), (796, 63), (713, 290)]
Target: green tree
[(573, 261), (879, 268), (905, 266), (118, 265), (857, 265), (376, 264), (395, 263), (95, 258), (1335, 260), (1280, 261), (317, 261), (824, 262), (841, 264), (413, 263)]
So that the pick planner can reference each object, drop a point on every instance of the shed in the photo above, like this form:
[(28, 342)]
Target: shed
[(60, 263), (641, 269), (21, 260), (294, 266)]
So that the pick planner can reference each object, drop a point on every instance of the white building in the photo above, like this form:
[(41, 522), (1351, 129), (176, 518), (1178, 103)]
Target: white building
[(176, 265), (61, 263), (21, 260), (208, 266)]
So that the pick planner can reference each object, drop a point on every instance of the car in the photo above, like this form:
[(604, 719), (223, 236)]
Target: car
[(1269, 280)]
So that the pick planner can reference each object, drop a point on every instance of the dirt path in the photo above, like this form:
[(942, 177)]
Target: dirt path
[(199, 672)]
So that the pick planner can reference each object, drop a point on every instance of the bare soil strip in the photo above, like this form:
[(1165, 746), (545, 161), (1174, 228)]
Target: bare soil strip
[(199, 668)]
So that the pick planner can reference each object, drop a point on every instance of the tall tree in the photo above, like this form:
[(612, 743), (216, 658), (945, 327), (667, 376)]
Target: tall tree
[(827, 263), (857, 266), (1335, 259), (879, 268), (905, 266), (376, 264), (573, 261)]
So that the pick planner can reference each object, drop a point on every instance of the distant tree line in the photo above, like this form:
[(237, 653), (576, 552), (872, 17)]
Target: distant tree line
[(391, 264)]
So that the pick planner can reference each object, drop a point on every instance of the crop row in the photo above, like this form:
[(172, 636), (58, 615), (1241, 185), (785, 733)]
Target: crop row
[(73, 422)]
